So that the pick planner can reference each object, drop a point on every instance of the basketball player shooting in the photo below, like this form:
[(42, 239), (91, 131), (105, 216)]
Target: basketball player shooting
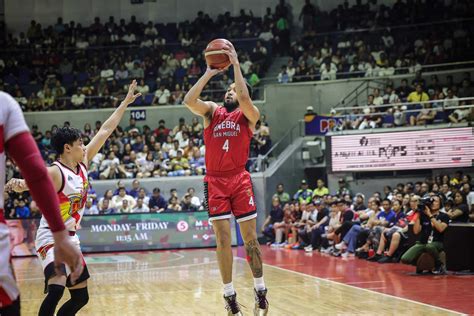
[(69, 175), (228, 188), (16, 140)]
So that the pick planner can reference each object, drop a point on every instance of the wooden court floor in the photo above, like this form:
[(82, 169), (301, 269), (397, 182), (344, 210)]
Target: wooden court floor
[(187, 282)]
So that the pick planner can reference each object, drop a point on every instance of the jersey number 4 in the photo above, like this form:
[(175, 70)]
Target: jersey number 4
[(225, 147)]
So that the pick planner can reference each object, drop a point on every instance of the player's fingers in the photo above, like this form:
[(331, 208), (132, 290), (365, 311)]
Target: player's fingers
[(57, 267), (77, 271)]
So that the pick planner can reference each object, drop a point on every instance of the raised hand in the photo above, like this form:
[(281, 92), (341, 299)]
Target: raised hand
[(213, 72), (229, 50), (16, 185), (131, 96), (66, 252)]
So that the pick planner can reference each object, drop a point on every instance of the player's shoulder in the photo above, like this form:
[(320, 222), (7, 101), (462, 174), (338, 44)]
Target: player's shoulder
[(8, 103)]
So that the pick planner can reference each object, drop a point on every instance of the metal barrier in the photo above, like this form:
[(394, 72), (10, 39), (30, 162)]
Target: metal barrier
[(262, 162)]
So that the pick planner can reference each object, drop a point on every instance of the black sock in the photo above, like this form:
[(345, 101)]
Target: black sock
[(79, 298), (55, 292)]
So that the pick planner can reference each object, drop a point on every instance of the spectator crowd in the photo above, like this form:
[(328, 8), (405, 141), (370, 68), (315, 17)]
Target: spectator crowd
[(71, 66), (370, 40), (412, 103), (121, 200), (137, 152), (376, 227)]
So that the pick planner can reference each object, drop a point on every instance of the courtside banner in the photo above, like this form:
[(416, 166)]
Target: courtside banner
[(427, 149), (128, 232)]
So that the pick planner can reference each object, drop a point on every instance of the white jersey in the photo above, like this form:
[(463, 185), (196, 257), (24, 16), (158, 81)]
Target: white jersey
[(12, 122), (72, 196)]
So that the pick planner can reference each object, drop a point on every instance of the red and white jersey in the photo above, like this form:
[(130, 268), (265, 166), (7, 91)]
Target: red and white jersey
[(227, 141), (12, 123), (72, 196)]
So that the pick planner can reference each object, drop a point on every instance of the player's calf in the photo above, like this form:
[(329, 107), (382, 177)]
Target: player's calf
[(254, 258), (55, 293), (79, 299)]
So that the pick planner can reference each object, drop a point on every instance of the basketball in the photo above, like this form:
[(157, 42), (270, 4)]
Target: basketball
[(214, 54)]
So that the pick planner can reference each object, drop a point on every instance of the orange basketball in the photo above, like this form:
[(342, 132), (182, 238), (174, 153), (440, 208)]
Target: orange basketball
[(214, 54)]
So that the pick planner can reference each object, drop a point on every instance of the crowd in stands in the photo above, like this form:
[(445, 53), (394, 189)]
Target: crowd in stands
[(74, 66), (370, 43), (347, 223), (137, 152), (121, 200), (411, 103)]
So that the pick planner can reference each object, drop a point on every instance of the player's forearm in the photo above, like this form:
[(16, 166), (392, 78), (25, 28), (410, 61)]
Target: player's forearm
[(193, 94), (240, 86), (113, 121), (22, 148)]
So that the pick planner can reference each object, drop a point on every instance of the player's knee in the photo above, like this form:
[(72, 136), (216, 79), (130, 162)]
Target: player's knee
[(55, 292), (224, 241), (80, 296)]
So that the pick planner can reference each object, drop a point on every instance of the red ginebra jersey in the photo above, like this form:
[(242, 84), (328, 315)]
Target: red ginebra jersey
[(227, 141)]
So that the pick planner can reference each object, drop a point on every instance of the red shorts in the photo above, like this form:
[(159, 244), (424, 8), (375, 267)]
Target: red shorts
[(230, 194)]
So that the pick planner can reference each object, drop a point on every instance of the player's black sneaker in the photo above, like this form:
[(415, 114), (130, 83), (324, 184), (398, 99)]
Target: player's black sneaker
[(232, 306), (261, 303)]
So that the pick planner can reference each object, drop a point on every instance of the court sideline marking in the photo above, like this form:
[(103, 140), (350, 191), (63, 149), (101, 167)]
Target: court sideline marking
[(359, 288)]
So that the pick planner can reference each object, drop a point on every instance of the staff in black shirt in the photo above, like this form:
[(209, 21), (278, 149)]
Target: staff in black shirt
[(430, 226)]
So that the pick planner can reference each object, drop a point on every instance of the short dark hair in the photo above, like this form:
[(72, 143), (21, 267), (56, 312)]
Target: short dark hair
[(156, 190), (64, 135), (388, 200)]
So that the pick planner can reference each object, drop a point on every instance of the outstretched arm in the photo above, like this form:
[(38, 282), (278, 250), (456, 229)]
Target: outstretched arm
[(197, 106), (111, 124), (250, 111)]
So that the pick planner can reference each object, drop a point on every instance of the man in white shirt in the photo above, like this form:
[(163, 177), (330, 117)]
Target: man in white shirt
[(107, 73), (78, 99), (451, 100), (378, 100), (90, 208), (328, 71), (142, 195), (129, 38), (141, 207), (150, 29), (122, 195), (162, 96), (195, 201)]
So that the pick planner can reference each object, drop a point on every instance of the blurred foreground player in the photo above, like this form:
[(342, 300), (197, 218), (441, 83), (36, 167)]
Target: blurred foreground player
[(228, 188), (69, 175), (16, 140)]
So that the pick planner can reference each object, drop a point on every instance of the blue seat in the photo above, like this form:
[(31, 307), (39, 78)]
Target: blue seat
[(388, 120), (68, 79), (440, 117), (10, 79), (82, 77), (148, 98)]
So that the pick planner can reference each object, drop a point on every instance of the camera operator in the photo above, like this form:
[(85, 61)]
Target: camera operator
[(429, 225)]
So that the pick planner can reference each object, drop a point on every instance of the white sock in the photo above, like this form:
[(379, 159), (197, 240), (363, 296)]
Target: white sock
[(229, 289), (259, 284)]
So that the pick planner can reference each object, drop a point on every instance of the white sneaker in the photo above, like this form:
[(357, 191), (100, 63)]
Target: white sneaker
[(327, 250), (340, 245), (345, 254), (308, 248)]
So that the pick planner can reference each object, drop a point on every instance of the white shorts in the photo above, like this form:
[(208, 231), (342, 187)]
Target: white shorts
[(9, 292), (45, 251)]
